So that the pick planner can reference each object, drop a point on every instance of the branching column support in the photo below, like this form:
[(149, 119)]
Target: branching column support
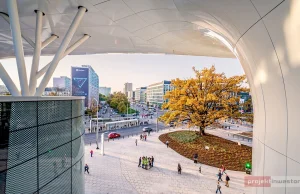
[(37, 52), (18, 46), (68, 51), (62, 48), (8, 82)]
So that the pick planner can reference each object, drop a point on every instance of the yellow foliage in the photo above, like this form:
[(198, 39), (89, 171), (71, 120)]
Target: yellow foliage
[(203, 99)]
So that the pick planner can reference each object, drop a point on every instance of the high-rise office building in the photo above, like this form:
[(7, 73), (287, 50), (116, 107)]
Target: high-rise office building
[(141, 95), (106, 91), (62, 82), (156, 92), (127, 88), (85, 82)]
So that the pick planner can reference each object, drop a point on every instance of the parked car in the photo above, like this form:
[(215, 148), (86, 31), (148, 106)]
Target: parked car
[(123, 115), (147, 129), (113, 135)]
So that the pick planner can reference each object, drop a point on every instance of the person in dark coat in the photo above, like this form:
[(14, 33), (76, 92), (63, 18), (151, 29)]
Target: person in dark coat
[(152, 160), (179, 168), (86, 169), (140, 161)]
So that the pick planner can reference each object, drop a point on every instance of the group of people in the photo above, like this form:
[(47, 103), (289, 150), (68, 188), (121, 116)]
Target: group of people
[(221, 172), (143, 137), (146, 162)]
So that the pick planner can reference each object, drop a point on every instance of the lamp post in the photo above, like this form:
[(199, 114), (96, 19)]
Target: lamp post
[(97, 129)]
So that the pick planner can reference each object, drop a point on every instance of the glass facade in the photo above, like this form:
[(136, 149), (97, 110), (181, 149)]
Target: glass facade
[(42, 148), (156, 92)]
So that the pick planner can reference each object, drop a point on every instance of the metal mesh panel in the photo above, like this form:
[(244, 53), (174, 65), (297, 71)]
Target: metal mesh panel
[(53, 135), (53, 163), (22, 178), (23, 115), (77, 127), (77, 149), (60, 185), (52, 111), (22, 146), (78, 177), (2, 181), (77, 108)]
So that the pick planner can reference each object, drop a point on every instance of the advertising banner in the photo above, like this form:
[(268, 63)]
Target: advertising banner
[(80, 83)]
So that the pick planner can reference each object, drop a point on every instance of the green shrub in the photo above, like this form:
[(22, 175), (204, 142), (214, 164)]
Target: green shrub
[(184, 136)]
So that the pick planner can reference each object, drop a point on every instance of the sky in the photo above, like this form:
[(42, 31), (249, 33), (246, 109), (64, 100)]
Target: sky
[(140, 69)]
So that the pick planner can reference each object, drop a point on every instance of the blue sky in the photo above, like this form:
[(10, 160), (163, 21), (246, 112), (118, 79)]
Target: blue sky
[(140, 69)]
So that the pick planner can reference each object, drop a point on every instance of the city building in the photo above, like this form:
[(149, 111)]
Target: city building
[(54, 91), (156, 92), (85, 82), (62, 83), (127, 88), (106, 91), (131, 96), (141, 95), (3, 90)]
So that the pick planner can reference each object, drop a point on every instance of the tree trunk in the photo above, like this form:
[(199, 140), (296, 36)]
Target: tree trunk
[(202, 131)]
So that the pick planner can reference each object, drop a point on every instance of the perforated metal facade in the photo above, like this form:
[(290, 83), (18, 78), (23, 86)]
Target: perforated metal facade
[(41, 146)]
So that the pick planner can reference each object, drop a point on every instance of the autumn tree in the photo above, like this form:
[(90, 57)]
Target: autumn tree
[(203, 99), (118, 101)]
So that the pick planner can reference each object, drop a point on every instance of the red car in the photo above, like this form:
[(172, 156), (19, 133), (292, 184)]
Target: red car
[(113, 135)]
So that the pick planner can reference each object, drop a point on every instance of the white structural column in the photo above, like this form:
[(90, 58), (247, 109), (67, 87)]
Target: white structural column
[(61, 50), (8, 82), (49, 40), (68, 51), (18, 45), (37, 52)]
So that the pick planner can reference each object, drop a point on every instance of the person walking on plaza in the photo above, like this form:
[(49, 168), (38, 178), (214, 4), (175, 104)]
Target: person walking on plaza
[(227, 181), (149, 162), (145, 137), (220, 176), (86, 169), (179, 168), (148, 132), (140, 161), (223, 169), (143, 162), (167, 142), (91, 153), (135, 142), (141, 137), (195, 158), (218, 188), (152, 159), (146, 163)]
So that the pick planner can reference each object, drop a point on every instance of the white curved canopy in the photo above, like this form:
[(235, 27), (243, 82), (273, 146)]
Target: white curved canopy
[(119, 26)]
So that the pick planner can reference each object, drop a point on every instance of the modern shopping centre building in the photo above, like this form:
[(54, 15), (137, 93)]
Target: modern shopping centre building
[(41, 137)]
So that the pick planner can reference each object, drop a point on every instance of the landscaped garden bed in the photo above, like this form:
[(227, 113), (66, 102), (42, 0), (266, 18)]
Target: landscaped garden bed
[(221, 151)]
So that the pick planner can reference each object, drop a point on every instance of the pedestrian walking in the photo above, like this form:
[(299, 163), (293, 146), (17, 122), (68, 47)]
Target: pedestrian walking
[(218, 188), (149, 162), (148, 132), (91, 153), (135, 142), (145, 137), (140, 161), (167, 142), (152, 160), (146, 163), (200, 169), (141, 137), (227, 181), (179, 168), (143, 162), (86, 169), (223, 169), (220, 176), (195, 158)]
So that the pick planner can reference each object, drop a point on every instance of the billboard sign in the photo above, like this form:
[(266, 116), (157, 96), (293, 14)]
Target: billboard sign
[(80, 83)]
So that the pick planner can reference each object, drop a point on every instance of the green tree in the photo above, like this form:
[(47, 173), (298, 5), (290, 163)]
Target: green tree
[(203, 99)]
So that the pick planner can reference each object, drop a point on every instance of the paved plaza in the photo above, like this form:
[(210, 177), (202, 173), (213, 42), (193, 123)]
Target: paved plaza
[(118, 172)]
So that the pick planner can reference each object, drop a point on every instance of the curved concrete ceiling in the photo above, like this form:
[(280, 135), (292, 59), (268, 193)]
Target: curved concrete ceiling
[(134, 26)]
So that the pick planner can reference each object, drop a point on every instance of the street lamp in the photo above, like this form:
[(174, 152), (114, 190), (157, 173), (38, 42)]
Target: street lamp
[(97, 129)]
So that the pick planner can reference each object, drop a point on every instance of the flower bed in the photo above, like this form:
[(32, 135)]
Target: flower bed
[(221, 151)]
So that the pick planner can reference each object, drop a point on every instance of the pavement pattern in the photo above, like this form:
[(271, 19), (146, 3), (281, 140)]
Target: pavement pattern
[(118, 172)]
